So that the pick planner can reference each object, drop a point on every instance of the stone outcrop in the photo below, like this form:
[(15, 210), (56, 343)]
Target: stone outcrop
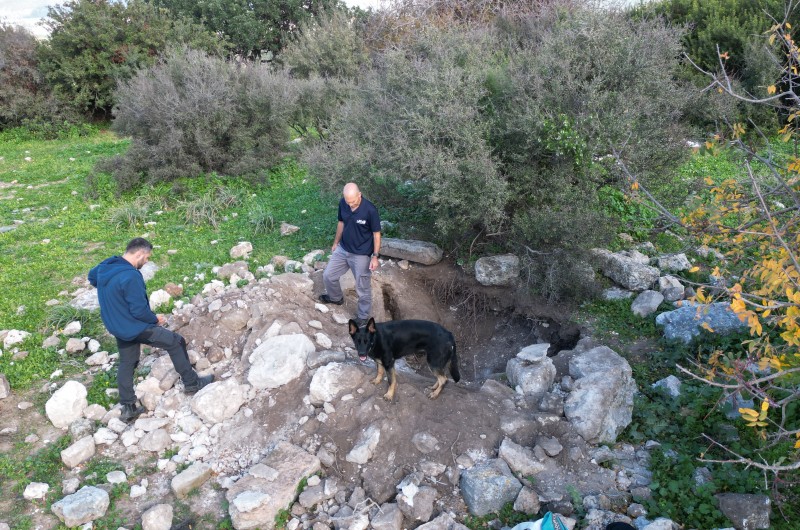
[(411, 250)]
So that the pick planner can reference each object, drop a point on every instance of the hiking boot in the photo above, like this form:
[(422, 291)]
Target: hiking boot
[(201, 382), (325, 299), (130, 411)]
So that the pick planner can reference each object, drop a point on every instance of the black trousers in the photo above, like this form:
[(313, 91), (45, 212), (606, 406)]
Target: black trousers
[(130, 350)]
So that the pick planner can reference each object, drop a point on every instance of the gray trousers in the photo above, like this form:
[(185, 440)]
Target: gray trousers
[(339, 262), (129, 352)]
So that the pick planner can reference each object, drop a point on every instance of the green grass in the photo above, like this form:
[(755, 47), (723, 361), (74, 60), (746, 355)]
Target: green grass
[(199, 218)]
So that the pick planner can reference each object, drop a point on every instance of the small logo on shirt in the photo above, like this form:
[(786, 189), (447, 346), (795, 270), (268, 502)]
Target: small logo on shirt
[(361, 221)]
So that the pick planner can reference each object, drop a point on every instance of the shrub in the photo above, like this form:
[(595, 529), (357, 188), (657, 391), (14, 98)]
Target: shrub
[(329, 46), (193, 113), (25, 99), (502, 136), (95, 43), (129, 214), (209, 207)]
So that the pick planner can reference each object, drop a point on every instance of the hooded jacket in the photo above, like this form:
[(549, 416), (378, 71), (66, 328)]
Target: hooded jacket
[(123, 298)]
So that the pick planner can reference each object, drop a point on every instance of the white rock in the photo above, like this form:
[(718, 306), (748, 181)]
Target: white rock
[(137, 491), (219, 401), (159, 298), (88, 504), (66, 404), (159, 517), (15, 336), (323, 340), (247, 501), (93, 346), (36, 490), (364, 449), (116, 477), (73, 328), (279, 360), (105, 436)]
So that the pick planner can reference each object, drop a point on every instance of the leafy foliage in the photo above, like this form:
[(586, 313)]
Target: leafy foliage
[(253, 27), (25, 98), (328, 46), (193, 113), (95, 43), (499, 136)]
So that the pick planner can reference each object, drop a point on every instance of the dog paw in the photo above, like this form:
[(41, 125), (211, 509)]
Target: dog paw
[(375, 381), (388, 397)]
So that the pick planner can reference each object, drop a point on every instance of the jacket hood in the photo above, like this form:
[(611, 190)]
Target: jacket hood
[(110, 268)]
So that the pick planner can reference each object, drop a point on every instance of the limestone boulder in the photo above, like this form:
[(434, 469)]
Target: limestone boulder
[(66, 404), (220, 400), (411, 250), (87, 504), (279, 360), (488, 486), (497, 270), (627, 271), (333, 380)]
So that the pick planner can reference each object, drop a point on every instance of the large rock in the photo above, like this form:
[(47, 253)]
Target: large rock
[(190, 478), (333, 379), (497, 270), (241, 250), (411, 250), (674, 262), (671, 287), (87, 504), (79, 452), (488, 486), (155, 441), (601, 403), (646, 303), (684, 324), (66, 404), (293, 464), (14, 337), (531, 371), (417, 505), (159, 517), (746, 512), (220, 400), (279, 360), (627, 271)]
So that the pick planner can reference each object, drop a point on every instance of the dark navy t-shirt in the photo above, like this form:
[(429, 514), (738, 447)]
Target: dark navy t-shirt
[(359, 226)]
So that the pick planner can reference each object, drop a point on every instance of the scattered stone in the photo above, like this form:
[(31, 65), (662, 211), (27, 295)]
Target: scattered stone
[(323, 340), (411, 250), (601, 404), (105, 436), (159, 298), (192, 477), (671, 384), (5, 388), (14, 337), (417, 506), (550, 445), (51, 342), (646, 303), (671, 288), (527, 502), (149, 270), (66, 404), (137, 491), (287, 229), (174, 290), (159, 517), (220, 400), (628, 272), (70, 485), (745, 511), (488, 486), (520, 459), (388, 518), (94, 412), (365, 447), (675, 263), (332, 380), (532, 372), (497, 270), (75, 345), (98, 359), (279, 360), (73, 328), (88, 504), (79, 452), (444, 522), (155, 441), (684, 324), (424, 442), (116, 477), (36, 490)]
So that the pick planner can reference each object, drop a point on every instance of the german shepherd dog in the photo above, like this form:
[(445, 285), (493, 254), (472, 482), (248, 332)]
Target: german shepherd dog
[(389, 341)]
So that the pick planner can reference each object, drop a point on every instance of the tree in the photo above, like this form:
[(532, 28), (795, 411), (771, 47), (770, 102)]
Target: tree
[(95, 43), (754, 218), (25, 99), (252, 26)]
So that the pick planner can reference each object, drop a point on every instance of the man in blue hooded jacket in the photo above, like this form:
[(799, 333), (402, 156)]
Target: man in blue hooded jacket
[(127, 316)]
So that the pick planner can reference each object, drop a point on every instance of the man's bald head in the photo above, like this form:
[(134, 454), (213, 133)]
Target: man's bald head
[(352, 195)]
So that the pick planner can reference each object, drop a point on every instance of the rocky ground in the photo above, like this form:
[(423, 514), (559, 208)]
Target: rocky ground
[(293, 412)]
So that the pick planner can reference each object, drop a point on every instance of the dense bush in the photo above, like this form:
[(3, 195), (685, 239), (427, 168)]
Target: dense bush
[(193, 113), (25, 99), (95, 43), (504, 136), (328, 46), (252, 26)]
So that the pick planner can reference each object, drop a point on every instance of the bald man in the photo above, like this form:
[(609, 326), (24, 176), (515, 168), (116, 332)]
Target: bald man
[(355, 247)]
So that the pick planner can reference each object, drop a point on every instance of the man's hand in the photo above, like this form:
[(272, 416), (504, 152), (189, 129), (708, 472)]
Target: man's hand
[(161, 320), (333, 248), (373, 263)]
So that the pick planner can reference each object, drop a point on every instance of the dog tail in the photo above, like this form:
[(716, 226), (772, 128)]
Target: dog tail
[(454, 363)]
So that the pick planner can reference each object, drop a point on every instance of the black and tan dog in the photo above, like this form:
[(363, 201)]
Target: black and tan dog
[(389, 341)]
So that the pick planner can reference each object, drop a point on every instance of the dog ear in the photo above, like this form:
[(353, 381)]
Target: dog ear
[(371, 325), (352, 326)]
